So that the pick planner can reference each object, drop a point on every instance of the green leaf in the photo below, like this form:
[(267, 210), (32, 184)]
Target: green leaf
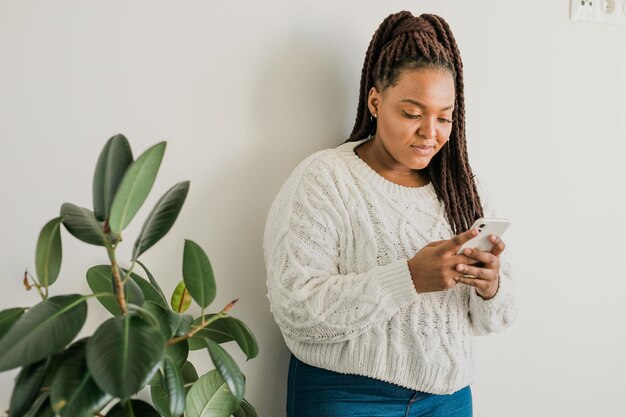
[(225, 330), (159, 395), (161, 316), (41, 407), (245, 409), (189, 373), (133, 408), (198, 274), (181, 299), (149, 292), (228, 369), (135, 187), (100, 280), (73, 392), (177, 353), (82, 224), (8, 318), (153, 281), (123, 354), (210, 397), (174, 387), (44, 330), (27, 387), (49, 252), (52, 368), (171, 324), (161, 218), (113, 161)]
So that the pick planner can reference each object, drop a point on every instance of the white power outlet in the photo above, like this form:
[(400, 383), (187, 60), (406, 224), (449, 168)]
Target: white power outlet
[(599, 11)]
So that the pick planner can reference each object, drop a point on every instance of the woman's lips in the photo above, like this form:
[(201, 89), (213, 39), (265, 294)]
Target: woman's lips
[(422, 150)]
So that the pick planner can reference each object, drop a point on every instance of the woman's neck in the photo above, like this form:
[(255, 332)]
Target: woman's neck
[(377, 157)]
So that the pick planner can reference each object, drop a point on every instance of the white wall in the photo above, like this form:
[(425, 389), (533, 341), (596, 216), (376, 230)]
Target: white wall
[(243, 92)]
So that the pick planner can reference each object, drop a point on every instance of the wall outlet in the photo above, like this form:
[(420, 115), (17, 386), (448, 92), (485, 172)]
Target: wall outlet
[(599, 11)]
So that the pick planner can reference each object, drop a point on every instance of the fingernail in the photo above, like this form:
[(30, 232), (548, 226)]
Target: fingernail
[(494, 238), (460, 268), (468, 251)]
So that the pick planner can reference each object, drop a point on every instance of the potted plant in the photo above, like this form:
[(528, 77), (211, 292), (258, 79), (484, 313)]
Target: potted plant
[(147, 339)]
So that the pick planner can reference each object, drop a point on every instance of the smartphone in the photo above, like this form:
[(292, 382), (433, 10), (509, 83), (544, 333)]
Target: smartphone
[(486, 227)]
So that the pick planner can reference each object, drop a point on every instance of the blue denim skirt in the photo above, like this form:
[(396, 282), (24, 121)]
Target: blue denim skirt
[(317, 392)]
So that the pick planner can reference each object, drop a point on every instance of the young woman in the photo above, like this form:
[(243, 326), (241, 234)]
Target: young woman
[(361, 244)]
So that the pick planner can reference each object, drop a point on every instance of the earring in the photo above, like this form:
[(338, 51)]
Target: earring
[(375, 115)]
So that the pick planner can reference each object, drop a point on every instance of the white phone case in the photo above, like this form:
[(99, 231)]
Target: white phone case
[(486, 227)]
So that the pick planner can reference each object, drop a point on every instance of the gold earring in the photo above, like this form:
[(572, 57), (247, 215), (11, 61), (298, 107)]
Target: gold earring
[(375, 115)]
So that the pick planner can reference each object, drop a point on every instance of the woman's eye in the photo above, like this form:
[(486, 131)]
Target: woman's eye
[(442, 120), (411, 116)]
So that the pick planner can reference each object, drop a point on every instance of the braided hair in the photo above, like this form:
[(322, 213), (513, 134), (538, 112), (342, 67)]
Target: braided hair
[(403, 42)]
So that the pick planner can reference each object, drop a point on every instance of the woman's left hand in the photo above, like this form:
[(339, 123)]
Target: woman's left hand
[(486, 273)]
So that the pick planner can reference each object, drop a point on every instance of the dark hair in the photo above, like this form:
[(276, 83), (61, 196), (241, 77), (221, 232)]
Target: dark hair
[(402, 42)]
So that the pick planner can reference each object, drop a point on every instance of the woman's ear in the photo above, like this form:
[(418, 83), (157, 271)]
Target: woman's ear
[(373, 100)]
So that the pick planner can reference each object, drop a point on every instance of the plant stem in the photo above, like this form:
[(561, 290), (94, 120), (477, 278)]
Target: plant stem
[(130, 270), (35, 284), (205, 323), (119, 285)]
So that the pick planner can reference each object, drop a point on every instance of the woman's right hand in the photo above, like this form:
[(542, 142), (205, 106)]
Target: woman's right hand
[(433, 267)]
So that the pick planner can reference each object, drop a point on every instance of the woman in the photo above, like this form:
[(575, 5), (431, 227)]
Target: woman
[(360, 244)]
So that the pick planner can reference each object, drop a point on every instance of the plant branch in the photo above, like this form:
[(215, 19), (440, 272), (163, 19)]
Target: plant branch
[(119, 285), (35, 284), (205, 323)]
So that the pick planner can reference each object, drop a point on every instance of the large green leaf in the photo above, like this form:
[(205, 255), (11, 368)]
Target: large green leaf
[(82, 223), (228, 369), (100, 280), (225, 330), (74, 392), (153, 281), (49, 252), (27, 387), (135, 187), (209, 397), (181, 299), (113, 161), (8, 318), (133, 408), (123, 354), (43, 330), (161, 218), (198, 274), (245, 409)]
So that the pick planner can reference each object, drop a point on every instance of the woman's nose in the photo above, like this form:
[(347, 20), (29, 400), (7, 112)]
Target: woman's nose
[(427, 128)]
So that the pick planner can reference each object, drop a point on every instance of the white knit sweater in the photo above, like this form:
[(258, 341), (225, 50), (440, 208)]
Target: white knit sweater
[(336, 245)]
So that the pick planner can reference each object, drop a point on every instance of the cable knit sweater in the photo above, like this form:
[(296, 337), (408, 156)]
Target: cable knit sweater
[(336, 245)]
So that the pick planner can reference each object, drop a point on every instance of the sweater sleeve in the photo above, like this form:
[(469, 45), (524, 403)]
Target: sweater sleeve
[(312, 301), (499, 312)]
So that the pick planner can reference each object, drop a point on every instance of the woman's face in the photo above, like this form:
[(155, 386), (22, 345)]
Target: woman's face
[(414, 116)]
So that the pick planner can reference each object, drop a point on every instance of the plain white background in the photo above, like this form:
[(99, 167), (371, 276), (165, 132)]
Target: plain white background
[(243, 92)]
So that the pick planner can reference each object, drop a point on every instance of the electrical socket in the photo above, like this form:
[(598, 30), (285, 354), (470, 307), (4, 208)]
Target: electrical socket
[(599, 11)]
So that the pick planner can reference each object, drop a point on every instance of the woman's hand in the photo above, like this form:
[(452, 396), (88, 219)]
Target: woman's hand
[(485, 274), (433, 267)]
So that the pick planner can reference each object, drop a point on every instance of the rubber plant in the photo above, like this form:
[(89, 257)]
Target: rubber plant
[(147, 340)]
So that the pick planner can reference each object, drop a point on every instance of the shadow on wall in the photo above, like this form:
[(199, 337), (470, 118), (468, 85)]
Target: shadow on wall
[(297, 106)]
